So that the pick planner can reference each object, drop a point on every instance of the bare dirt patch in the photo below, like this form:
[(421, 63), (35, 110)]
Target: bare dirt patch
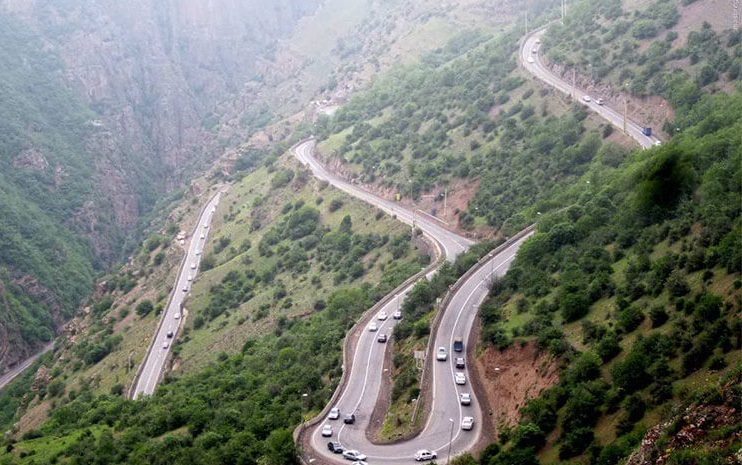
[(443, 203), (509, 378), (718, 13)]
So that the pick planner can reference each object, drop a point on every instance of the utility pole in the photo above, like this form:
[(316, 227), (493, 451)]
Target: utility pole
[(445, 201), (564, 10), (412, 236), (574, 83), (735, 6), (625, 111)]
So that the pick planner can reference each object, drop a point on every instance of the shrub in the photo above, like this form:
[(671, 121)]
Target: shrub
[(629, 319), (644, 29), (144, 308), (658, 316), (335, 205)]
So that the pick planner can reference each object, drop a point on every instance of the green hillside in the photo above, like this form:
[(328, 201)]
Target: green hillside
[(290, 265), (634, 274), (44, 181), (635, 286), (632, 280)]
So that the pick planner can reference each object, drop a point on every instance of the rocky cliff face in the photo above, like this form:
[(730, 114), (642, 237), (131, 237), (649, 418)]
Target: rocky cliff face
[(153, 70), (150, 71)]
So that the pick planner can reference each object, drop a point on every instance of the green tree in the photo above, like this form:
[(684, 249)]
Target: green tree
[(144, 308)]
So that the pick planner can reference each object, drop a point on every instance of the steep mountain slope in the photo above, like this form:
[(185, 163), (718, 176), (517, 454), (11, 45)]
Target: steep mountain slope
[(622, 237), (102, 115), (424, 131), (277, 287)]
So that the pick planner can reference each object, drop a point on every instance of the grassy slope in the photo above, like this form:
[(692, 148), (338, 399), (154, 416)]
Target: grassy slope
[(226, 334), (128, 335)]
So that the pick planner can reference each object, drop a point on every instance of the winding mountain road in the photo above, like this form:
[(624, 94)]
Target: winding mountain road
[(154, 362), (442, 431), (531, 60)]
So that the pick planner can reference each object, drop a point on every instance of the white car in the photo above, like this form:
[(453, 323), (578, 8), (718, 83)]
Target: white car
[(600, 101), (372, 326), (334, 413), (467, 423), (534, 50), (176, 316), (203, 236), (425, 454), (441, 355), (327, 431), (190, 277), (465, 398), (185, 289), (165, 345), (354, 455), (193, 265), (586, 98), (460, 378), (397, 315), (657, 143), (530, 59), (198, 251), (382, 316)]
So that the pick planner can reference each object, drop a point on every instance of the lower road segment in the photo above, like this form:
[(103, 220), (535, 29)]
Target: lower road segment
[(442, 431)]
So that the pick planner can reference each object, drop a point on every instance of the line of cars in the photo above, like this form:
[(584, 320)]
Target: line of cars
[(588, 99), (459, 377), (350, 418), (382, 316), (335, 447), (351, 454)]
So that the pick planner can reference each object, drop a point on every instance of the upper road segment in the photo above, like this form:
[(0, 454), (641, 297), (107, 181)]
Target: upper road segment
[(451, 243), (530, 58)]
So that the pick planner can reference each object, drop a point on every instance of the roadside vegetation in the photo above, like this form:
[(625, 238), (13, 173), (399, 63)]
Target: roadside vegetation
[(465, 113), (278, 286), (642, 51), (635, 286)]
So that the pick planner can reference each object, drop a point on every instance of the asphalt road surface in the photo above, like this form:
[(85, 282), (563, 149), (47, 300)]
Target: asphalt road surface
[(452, 243), (159, 349), (531, 61), (443, 426), (442, 431), (21, 367)]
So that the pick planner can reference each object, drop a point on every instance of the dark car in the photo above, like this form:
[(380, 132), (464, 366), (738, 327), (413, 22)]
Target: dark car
[(335, 447), (458, 344), (349, 419)]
